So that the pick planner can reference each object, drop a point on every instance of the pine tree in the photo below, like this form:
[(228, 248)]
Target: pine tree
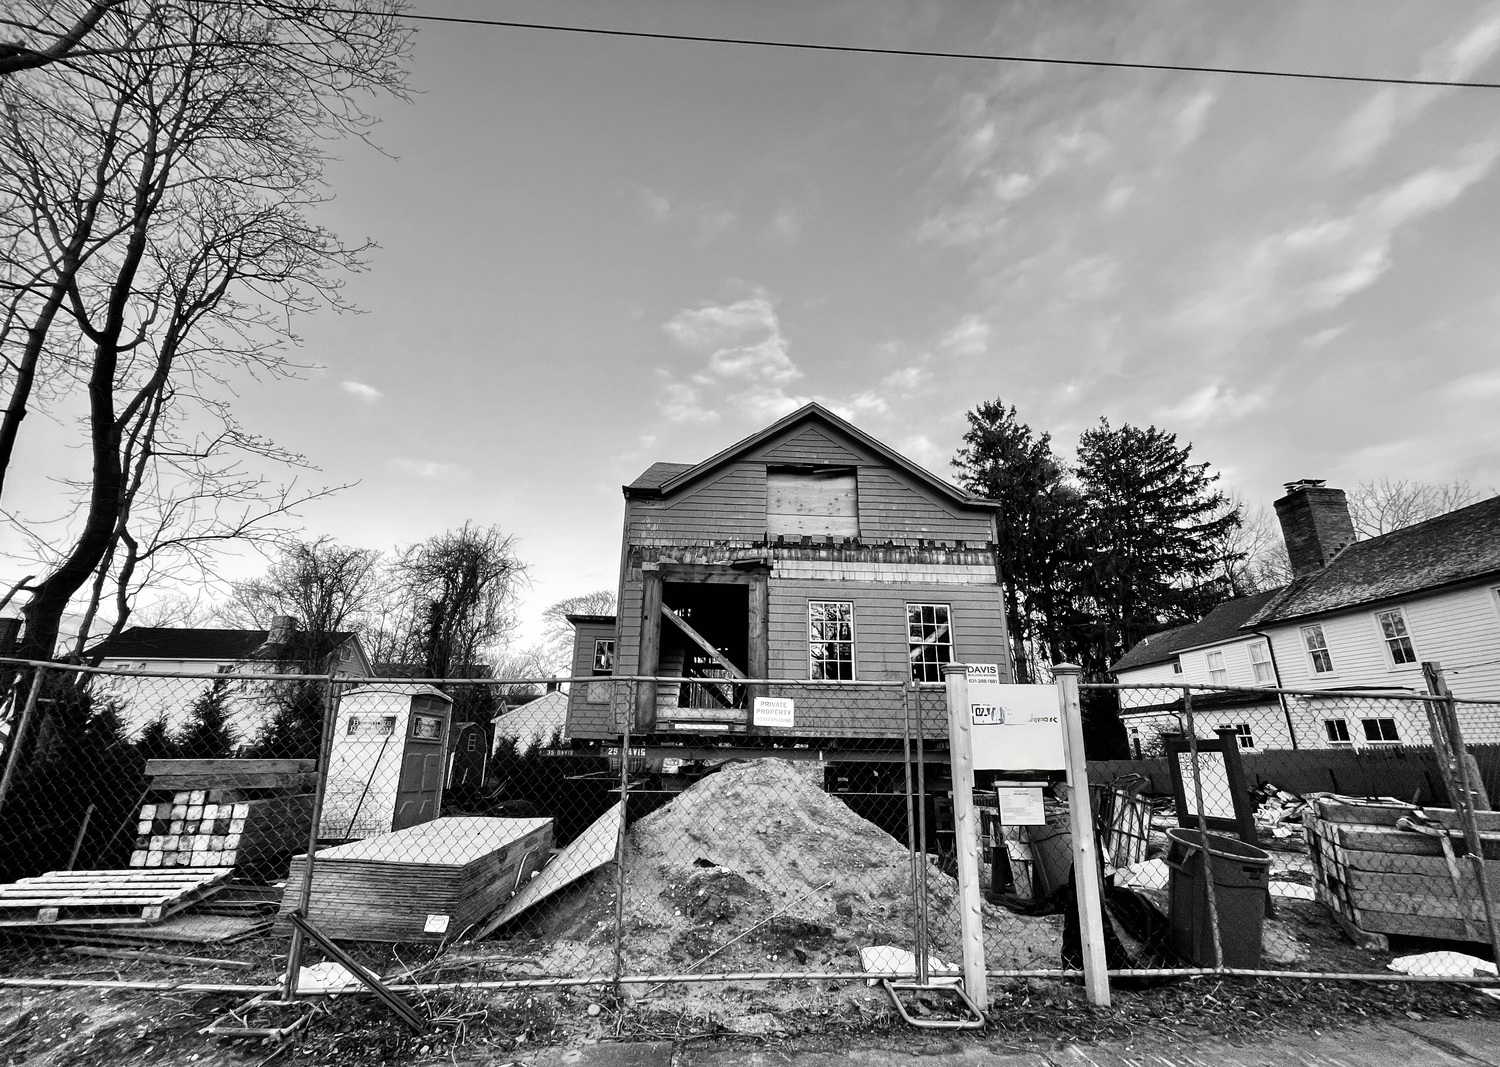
[(208, 733), (1154, 526), (156, 741)]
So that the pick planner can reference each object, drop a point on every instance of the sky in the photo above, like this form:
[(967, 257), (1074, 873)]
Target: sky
[(597, 253)]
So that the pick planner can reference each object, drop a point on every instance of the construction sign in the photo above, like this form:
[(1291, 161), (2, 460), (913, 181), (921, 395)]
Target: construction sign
[(1016, 727)]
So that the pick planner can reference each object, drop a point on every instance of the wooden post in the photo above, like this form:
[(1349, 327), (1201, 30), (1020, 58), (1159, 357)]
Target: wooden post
[(320, 792), (1085, 851), (1442, 716), (649, 649), (966, 834)]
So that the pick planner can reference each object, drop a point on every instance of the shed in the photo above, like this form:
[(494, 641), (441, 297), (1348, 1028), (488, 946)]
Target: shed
[(387, 762)]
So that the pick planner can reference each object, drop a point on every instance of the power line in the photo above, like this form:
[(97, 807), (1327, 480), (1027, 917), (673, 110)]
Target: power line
[(808, 46)]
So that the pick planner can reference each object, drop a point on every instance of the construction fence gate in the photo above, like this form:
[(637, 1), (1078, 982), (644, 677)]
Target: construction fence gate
[(468, 833)]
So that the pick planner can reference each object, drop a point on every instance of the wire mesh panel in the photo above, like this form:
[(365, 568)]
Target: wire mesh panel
[(1341, 832)]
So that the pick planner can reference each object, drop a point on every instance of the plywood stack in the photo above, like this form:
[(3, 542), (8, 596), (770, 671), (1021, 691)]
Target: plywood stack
[(1379, 879), (425, 883), (224, 813)]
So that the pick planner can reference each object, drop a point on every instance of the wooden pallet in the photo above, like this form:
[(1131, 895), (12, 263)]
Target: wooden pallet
[(128, 897)]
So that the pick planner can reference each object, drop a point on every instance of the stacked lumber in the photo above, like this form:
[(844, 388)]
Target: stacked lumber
[(129, 897), (424, 883), (224, 813), (1379, 879)]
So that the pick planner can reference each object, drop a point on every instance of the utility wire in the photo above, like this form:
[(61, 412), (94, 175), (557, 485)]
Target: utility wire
[(807, 46)]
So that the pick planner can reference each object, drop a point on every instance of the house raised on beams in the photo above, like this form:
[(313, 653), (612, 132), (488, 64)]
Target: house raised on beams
[(808, 552)]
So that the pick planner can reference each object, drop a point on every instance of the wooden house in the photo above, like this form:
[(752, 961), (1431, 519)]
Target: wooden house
[(808, 552)]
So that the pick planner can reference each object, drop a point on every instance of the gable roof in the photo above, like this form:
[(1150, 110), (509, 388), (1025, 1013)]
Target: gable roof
[(1460, 546), (1223, 623), (664, 478), (174, 642)]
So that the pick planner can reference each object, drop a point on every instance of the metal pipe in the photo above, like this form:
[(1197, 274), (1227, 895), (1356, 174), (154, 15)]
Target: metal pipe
[(920, 970), (911, 826), (304, 898), (628, 710)]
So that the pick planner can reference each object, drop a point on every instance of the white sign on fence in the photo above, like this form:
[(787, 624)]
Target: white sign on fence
[(774, 711), (1016, 727), (1021, 805)]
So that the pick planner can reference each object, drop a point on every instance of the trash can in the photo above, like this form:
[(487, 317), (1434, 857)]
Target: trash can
[(1240, 889), (1051, 850)]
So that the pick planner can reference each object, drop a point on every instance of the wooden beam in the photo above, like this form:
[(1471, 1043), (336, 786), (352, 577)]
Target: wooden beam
[(701, 641)]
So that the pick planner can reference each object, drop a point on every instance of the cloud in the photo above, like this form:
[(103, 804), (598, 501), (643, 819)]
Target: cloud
[(742, 340), (430, 470), (1314, 341), (707, 221), (1212, 402), (786, 226), (971, 337), (1317, 264), (898, 385), (657, 206), (368, 393)]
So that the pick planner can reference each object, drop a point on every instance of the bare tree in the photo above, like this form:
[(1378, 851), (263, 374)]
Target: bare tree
[(451, 601), (1381, 505), (328, 587), (43, 35), (556, 649), (1255, 559), (155, 232)]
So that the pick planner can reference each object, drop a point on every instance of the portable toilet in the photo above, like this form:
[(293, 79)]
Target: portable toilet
[(387, 762)]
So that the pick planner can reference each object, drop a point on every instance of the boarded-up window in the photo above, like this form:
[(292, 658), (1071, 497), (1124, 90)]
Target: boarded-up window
[(817, 502)]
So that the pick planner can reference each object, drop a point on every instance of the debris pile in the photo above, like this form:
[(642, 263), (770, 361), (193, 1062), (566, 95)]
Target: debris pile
[(756, 868), (1277, 812)]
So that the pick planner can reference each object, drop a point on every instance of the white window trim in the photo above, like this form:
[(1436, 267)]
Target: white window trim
[(1349, 743), (1223, 667), (1385, 645), (1307, 652), (853, 640), (1264, 644), (1364, 738), (1240, 736), (952, 642)]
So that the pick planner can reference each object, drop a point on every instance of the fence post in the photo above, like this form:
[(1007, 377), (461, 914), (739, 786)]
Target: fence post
[(919, 971), (1086, 879), (966, 834), (18, 736), (320, 791), (1465, 791), (620, 848), (1208, 856)]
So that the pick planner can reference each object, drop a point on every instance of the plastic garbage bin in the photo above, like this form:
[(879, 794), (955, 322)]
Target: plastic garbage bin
[(1240, 886), (1051, 850)]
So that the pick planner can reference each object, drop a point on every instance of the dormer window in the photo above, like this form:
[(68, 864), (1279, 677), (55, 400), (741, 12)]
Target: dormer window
[(812, 501)]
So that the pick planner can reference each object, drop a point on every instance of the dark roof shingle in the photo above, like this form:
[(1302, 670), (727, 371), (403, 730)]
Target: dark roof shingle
[(659, 474), (1455, 547), (174, 642), (1221, 624)]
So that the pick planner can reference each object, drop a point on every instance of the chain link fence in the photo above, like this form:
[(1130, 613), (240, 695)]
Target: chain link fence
[(662, 835), (1345, 832)]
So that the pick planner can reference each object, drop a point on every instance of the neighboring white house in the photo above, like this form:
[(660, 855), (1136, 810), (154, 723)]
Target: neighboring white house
[(208, 652), (1357, 615)]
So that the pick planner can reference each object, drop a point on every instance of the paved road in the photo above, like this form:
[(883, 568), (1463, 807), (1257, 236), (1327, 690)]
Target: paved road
[(1455, 1043)]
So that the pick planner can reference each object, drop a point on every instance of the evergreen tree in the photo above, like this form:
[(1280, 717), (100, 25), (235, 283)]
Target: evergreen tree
[(1154, 526), (156, 741), (1004, 460), (208, 733)]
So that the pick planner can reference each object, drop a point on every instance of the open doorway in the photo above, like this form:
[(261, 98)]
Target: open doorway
[(707, 636)]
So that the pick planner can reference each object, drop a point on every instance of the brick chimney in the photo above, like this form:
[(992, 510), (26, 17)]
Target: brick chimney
[(284, 629), (1315, 524)]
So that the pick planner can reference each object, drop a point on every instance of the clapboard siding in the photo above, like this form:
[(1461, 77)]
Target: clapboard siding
[(894, 509), (1458, 628), (811, 445), (728, 507), (1237, 663), (880, 645)]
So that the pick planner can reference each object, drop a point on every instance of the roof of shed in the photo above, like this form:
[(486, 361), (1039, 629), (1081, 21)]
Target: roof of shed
[(1456, 547), (1221, 624)]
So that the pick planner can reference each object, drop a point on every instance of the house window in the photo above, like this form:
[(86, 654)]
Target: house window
[(1217, 674), (1317, 649), (1381, 731), (1260, 663), (830, 640), (1397, 637), (473, 743), (1337, 731), (929, 640), (1242, 732), (1177, 666), (604, 656)]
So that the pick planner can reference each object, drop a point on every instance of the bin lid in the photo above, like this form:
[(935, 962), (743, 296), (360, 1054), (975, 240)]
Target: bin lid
[(1221, 845)]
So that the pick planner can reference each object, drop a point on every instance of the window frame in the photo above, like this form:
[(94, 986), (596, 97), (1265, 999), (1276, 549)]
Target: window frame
[(1338, 742), (912, 643), (1395, 730), (1243, 734), (1311, 652), (1397, 614), (599, 643), (1209, 659), (812, 642), (1269, 664)]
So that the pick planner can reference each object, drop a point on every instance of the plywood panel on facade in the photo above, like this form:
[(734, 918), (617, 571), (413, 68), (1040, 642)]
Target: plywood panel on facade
[(811, 503)]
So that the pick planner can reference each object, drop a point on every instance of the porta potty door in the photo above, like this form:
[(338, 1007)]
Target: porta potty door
[(419, 792)]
